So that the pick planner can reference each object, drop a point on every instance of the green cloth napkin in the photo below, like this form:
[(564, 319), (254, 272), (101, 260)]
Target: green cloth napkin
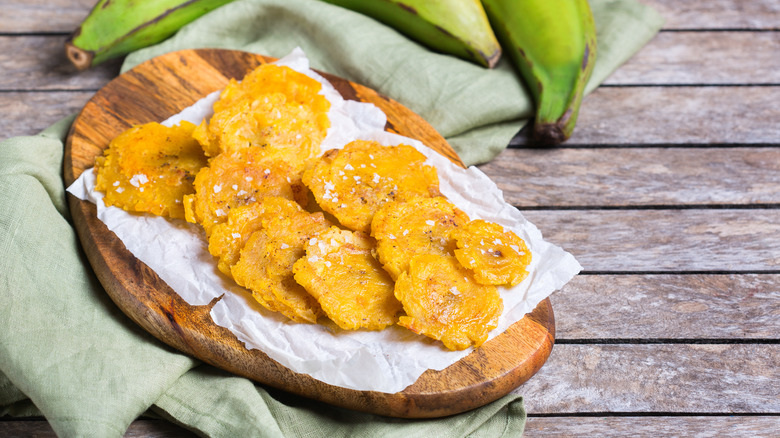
[(66, 352)]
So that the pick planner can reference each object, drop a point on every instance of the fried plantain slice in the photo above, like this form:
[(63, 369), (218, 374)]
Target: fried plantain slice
[(229, 237), (236, 179), (353, 182), (297, 87), (150, 168), (495, 255), (265, 264), (274, 107), (443, 302), (340, 271), (417, 226), (283, 130)]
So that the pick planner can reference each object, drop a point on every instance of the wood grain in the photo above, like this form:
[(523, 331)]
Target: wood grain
[(48, 108), (666, 240), (65, 15), (704, 58), (625, 176), (43, 15), (162, 87), (688, 115), (600, 425), (654, 425), (668, 307), (718, 14), (38, 62), (611, 116), (625, 378)]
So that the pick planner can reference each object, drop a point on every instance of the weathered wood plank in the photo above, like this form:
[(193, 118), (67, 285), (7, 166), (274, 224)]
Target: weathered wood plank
[(65, 15), (39, 63), (678, 115), (718, 14), (670, 58), (601, 426), (655, 426), (610, 116), (627, 176), (26, 16), (666, 240), (646, 307), (28, 113), (690, 378), (704, 58)]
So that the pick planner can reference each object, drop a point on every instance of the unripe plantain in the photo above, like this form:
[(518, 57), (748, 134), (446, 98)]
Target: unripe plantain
[(552, 43), (117, 27), (455, 27)]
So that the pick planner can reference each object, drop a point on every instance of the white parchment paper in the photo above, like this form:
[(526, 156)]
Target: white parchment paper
[(385, 361)]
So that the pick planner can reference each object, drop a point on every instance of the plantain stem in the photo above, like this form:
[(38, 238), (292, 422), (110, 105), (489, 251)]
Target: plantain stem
[(549, 134), (81, 58)]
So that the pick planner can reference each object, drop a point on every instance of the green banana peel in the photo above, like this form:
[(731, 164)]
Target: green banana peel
[(117, 27), (454, 27), (552, 44)]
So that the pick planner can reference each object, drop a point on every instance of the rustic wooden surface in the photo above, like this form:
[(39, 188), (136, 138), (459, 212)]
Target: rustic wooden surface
[(668, 195), (164, 86)]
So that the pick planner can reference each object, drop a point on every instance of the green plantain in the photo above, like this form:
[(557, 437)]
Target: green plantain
[(552, 43), (455, 27), (116, 27)]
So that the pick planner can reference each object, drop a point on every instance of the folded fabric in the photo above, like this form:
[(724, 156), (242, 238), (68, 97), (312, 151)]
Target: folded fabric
[(68, 353)]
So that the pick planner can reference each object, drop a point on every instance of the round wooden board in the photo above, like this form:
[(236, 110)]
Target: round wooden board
[(161, 87)]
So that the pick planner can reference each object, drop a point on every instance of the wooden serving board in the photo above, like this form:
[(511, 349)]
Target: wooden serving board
[(161, 87)]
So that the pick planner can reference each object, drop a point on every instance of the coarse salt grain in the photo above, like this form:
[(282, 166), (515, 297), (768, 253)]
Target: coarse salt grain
[(138, 179)]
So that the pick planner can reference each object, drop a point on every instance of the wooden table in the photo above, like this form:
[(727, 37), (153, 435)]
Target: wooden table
[(668, 194)]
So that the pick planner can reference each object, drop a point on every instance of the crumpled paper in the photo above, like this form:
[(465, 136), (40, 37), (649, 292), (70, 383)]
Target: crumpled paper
[(384, 361)]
